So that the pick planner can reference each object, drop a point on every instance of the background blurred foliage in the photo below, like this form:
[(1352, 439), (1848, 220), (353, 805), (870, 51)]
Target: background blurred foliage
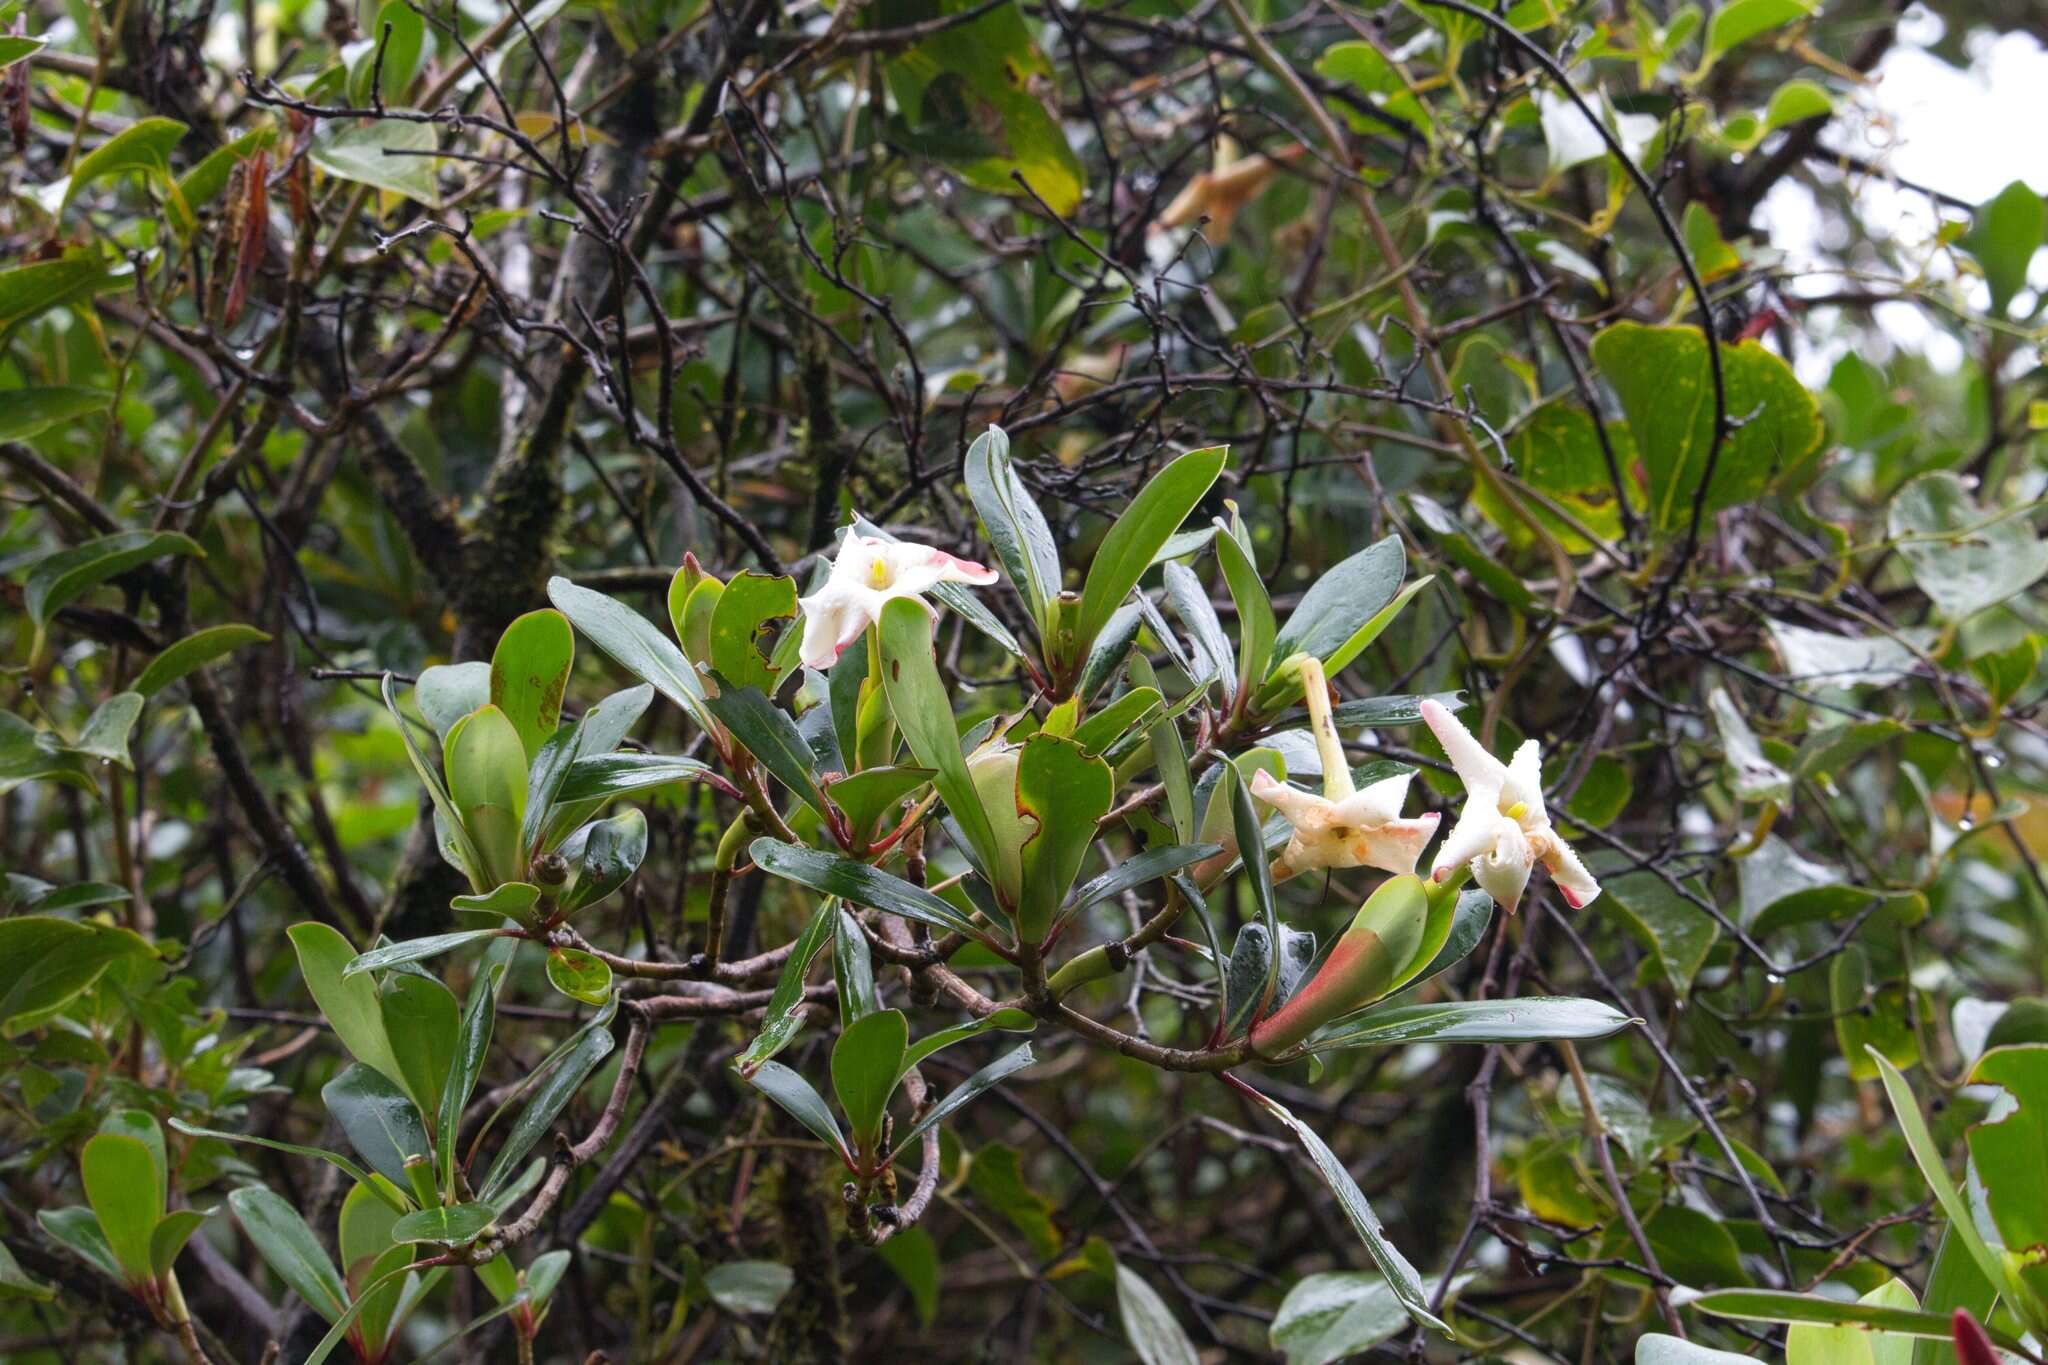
[(360, 321)]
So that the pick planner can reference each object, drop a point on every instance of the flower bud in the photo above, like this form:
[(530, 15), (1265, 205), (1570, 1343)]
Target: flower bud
[(1364, 965), (994, 770), (1973, 1346)]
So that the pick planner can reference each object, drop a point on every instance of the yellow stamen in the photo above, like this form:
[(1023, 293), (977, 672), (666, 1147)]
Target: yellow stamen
[(1518, 810), (879, 573)]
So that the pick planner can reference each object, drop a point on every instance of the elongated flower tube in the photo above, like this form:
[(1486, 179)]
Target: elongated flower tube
[(1504, 830), (1365, 964), (866, 573), (1344, 827)]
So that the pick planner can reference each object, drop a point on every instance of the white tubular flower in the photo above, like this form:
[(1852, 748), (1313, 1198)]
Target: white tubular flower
[(1344, 827), (1504, 831), (866, 573)]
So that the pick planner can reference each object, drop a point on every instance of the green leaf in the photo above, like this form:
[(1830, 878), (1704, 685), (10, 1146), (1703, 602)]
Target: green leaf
[(800, 1101), (853, 968), (742, 621), (79, 1230), (1741, 20), (382, 1190), (1661, 376), (604, 855), (1013, 524), (1955, 1281), (289, 1247), (749, 1287), (1868, 1020), (57, 581), (1215, 658), (389, 154), (368, 1254), (198, 186), (1961, 1222), (601, 777), (1753, 777), (1962, 557), (591, 1045), (1334, 1314), (1151, 865), (968, 94), (1067, 792), (1654, 1348), (195, 651), (486, 763), (106, 731), (866, 796), (44, 962), (30, 411), (867, 1061), (466, 1066), (1149, 1325), (144, 145), (924, 713), (765, 730), (2009, 1152), (530, 666), (450, 1225), (914, 1257), (401, 51), (28, 291), (1526, 1019), (1678, 931), (15, 1284), (433, 945), (122, 1179), (639, 648), (579, 976), (446, 693), (380, 1121), (1794, 102), (995, 1073), (422, 1021), (1777, 1305), (28, 754), (785, 1012), (14, 47), (349, 1003), (2003, 236), (1256, 625), (1400, 1276), (171, 1233), (860, 884), (1126, 551)]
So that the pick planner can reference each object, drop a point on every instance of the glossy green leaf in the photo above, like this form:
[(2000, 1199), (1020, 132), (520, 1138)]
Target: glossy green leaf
[(860, 884), (591, 1045), (1154, 514), (444, 1224), (419, 949), (79, 1230), (579, 976), (1335, 1314), (1011, 521), (383, 1190), (486, 765), (749, 1287), (743, 621), (1531, 1018), (603, 855), (637, 646), (349, 1003), (122, 1183), (30, 411), (423, 1021), (765, 730), (1868, 1018), (290, 1248), (44, 961), (104, 735), (1777, 1305), (785, 1013), (994, 1074), (1067, 792), (529, 669), (389, 55), (1741, 20), (924, 714), (796, 1097), (379, 1119), (867, 1061), (1149, 1325)]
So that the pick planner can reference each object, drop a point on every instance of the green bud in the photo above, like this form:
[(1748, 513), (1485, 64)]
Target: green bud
[(419, 1173), (994, 770), (1366, 964)]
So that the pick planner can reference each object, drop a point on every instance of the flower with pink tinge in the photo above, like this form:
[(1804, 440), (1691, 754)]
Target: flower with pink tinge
[(1344, 827), (1504, 830), (866, 573)]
